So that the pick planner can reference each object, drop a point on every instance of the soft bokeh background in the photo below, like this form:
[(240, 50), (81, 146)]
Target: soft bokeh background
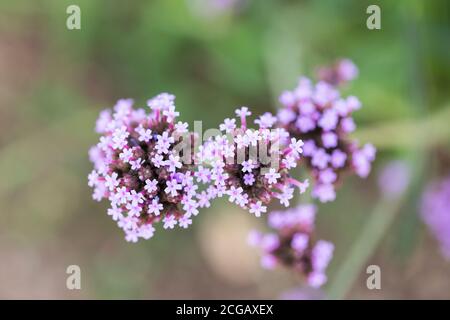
[(54, 82)]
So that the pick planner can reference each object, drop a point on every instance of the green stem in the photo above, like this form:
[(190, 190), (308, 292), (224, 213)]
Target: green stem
[(368, 240)]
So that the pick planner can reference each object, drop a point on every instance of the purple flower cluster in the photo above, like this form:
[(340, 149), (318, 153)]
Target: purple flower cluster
[(317, 114), (291, 244), (251, 166), (138, 169), (435, 212)]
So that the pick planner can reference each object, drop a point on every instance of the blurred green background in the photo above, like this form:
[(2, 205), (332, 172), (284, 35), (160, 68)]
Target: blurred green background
[(54, 82)]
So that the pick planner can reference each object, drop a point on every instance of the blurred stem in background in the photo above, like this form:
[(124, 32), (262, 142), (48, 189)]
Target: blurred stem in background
[(372, 233), (383, 215)]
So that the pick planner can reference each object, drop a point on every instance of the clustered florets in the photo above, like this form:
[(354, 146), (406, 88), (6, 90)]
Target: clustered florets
[(250, 166), (147, 167), (292, 246), (138, 168), (318, 115)]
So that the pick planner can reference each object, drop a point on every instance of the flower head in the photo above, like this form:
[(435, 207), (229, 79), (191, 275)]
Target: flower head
[(139, 169), (252, 166), (292, 246), (321, 118)]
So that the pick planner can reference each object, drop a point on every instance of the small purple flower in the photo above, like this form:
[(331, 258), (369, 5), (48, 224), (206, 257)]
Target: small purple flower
[(339, 73), (136, 164), (234, 193), (394, 179), (203, 174), (305, 124), (299, 242), (329, 120), (296, 146), (135, 197), (115, 213), (155, 207), (126, 155), (173, 163), (322, 254), (119, 137), (151, 185), (257, 208), (272, 176), (267, 120), (185, 221), (317, 279), (144, 134), (347, 70), (111, 181), (285, 116), (289, 162), (338, 158), (327, 176), (146, 231), (329, 139), (228, 125), (169, 222), (170, 113), (324, 192), (121, 195), (172, 187), (268, 261), (203, 199), (243, 112), (249, 179), (320, 159), (248, 166), (309, 148), (348, 125), (181, 127), (158, 160), (164, 142), (286, 195)]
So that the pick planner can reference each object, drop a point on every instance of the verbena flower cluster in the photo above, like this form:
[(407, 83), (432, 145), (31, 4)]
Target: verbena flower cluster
[(317, 114), (292, 244), (138, 169), (146, 165), (435, 212), (252, 167)]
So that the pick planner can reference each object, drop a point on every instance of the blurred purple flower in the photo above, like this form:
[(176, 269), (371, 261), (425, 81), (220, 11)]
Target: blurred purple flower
[(435, 211), (292, 246), (394, 179), (339, 73), (317, 114)]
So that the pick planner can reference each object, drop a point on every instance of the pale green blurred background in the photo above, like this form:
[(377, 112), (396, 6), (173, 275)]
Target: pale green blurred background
[(54, 82)]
